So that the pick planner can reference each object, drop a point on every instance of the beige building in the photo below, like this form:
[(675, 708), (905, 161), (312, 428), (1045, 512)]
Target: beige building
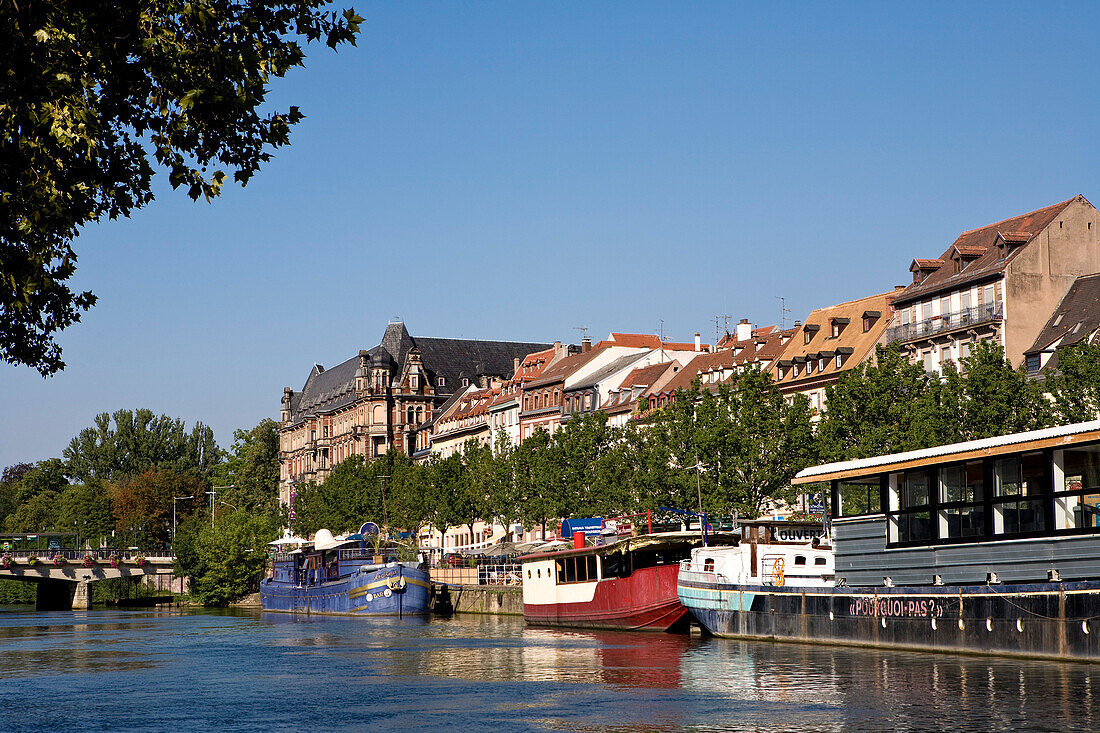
[(1000, 282), (832, 341), (385, 397)]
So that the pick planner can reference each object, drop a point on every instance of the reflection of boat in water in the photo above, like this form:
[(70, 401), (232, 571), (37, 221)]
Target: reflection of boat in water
[(984, 546), (629, 584), (346, 577)]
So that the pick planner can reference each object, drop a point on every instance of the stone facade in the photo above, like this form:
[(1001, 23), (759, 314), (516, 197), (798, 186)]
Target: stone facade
[(381, 399)]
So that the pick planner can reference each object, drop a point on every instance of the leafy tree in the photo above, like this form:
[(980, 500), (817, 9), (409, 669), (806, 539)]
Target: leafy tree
[(252, 469), (91, 91), (37, 514), (225, 562), (581, 476), (761, 442), (1075, 389), (138, 442), (535, 463), (87, 510), (15, 473), (876, 408), (142, 504), (995, 399)]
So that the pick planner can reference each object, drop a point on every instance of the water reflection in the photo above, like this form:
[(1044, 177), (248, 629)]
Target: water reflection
[(275, 671)]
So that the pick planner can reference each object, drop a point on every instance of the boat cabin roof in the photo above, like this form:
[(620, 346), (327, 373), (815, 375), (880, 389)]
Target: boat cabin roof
[(1063, 435), (632, 544)]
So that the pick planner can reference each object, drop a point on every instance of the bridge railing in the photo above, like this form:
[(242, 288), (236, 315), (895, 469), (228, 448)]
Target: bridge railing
[(101, 554)]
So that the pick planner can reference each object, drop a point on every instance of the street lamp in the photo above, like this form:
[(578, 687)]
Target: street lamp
[(699, 490), (213, 491)]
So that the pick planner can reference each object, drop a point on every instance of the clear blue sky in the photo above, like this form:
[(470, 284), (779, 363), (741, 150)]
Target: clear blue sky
[(513, 170)]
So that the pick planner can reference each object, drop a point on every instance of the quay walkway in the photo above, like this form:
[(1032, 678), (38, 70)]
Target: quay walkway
[(62, 576)]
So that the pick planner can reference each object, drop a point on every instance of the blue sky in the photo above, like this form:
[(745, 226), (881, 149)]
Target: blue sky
[(515, 170)]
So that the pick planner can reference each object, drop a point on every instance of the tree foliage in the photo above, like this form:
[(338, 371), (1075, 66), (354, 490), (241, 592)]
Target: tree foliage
[(94, 93), (143, 504), (225, 562), (137, 442), (1075, 389), (252, 469)]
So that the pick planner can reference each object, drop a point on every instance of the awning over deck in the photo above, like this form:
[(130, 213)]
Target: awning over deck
[(1015, 443)]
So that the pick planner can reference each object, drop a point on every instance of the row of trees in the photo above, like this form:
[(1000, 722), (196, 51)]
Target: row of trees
[(739, 446), (124, 481)]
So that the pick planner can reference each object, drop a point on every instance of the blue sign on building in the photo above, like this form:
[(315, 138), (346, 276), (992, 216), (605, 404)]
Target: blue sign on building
[(591, 526)]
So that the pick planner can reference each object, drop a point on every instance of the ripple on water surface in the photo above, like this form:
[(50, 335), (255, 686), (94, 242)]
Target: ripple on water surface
[(171, 671)]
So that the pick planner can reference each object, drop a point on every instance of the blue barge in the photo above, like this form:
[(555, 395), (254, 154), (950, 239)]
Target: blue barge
[(346, 580)]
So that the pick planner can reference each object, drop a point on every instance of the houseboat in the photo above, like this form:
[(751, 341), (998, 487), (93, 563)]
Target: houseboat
[(627, 584), (987, 546), (346, 577)]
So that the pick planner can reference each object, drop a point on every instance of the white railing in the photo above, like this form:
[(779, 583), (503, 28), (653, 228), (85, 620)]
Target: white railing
[(499, 575)]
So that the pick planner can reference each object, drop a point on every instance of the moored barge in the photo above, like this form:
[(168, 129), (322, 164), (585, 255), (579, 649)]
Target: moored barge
[(629, 584), (988, 546), (346, 577)]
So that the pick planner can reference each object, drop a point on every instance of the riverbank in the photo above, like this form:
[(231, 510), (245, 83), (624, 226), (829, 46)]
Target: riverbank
[(494, 600)]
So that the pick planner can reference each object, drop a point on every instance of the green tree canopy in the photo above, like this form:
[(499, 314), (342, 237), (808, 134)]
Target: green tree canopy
[(252, 469), (1075, 389), (142, 504), (138, 441), (225, 562), (92, 91)]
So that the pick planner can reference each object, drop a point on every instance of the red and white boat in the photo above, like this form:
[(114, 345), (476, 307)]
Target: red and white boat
[(627, 584)]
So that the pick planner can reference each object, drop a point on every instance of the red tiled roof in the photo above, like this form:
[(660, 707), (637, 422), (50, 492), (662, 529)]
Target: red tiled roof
[(562, 368), (989, 262)]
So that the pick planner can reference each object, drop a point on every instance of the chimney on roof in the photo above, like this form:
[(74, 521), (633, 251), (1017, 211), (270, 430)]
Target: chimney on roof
[(744, 330), (698, 341), (586, 344), (898, 287), (797, 324), (515, 366)]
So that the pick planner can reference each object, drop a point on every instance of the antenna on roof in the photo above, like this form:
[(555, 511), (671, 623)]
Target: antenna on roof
[(783, 311), (718, 328), (396, 319), (583, 330)]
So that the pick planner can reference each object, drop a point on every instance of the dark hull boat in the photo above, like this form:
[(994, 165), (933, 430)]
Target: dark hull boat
[(989, 546)]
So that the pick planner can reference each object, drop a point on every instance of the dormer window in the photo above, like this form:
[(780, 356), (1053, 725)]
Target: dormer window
[(808, 332), (414, 381), (838, 325), (440, 382), (921, 269), (465, 382), (869, 318)]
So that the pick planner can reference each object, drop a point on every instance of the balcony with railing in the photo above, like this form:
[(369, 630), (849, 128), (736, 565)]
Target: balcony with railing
[(965, 318)]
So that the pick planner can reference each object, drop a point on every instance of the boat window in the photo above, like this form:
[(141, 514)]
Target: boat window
[(615, 565), (1077, 494), (1019, 506), (912, 523), (962, 492), (820, 561), (799, 559), (576, 569), (857, 496), (708, 565), (528, 573)]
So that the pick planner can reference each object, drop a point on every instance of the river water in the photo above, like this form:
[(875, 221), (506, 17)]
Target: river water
[(148, 670)]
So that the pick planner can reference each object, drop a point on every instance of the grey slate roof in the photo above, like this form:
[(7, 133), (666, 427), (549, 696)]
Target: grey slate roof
[(1075, 319), (452, 359)]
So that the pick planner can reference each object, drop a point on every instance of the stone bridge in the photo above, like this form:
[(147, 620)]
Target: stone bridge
[(62, 576)]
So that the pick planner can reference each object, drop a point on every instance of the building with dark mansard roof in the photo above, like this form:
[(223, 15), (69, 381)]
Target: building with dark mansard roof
[(384, 397)]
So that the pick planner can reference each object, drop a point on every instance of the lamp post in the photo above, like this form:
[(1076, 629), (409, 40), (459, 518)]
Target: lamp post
[(213, 492), (699, 490), (174, 500)]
